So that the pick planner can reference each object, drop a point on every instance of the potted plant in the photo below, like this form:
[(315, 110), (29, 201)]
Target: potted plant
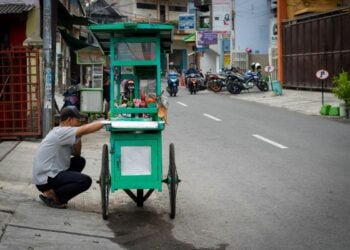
[(341, 89)]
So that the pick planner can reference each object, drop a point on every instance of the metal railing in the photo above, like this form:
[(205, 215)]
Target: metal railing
[(20, 100)]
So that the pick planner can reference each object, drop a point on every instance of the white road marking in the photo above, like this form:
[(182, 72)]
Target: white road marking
[(183, 104), (271, 142), (212, 117)]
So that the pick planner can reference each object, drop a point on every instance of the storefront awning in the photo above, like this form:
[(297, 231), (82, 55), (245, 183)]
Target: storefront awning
[(90, 55), (73, 42), (191, 38), (14, 8), (104, 32)]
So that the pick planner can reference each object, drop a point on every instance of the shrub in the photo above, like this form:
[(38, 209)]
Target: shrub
[(341, 87)]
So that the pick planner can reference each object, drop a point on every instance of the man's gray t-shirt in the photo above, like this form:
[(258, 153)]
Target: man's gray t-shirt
[(53, 155)]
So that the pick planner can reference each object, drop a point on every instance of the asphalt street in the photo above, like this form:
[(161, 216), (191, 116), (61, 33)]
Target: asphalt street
[(254, 176), (259, 177)]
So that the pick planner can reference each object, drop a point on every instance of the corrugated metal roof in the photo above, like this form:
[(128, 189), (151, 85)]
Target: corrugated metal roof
[(14, 8)]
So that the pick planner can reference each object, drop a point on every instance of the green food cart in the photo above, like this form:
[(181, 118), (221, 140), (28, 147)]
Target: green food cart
[(135, 162)]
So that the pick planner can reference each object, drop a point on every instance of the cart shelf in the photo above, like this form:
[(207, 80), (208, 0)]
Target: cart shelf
[(135, 125)]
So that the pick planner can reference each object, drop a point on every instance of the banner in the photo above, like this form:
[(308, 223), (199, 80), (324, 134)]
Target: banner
[(227, 60), (273, 32), (206, 38), (186, 22), (222, 19)]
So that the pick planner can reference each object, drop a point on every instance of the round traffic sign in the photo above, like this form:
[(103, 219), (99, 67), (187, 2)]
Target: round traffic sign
[(322, 74), (269, 68)]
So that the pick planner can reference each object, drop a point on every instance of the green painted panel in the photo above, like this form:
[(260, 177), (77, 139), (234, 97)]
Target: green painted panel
[(136, 27), (136, 160)]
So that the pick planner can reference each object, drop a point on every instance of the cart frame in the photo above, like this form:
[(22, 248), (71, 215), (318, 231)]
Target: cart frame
[(134, 50)]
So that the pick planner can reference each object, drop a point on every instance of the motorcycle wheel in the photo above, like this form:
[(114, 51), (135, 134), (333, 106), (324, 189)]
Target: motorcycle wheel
[(214, 86), (263, 86), (169, 91), (233, 87), (190, 88)]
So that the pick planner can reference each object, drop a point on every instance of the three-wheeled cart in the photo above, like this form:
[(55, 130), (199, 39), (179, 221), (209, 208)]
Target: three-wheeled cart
[(135, 163)]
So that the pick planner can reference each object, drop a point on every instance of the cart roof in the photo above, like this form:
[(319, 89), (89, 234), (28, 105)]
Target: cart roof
[(103, 32)]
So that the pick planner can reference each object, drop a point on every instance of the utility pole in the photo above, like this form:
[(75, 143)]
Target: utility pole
[(48, 100)]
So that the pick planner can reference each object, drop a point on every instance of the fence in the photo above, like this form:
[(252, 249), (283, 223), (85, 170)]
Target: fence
[(20, 101), (315, 43), (240, 60)]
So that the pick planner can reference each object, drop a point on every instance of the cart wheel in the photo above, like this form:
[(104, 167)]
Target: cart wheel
[(173, 181), (105, 182)]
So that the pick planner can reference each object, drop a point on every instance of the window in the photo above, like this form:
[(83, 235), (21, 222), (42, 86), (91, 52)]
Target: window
[(147, 6), (135, 51), (204, 22), (177, 8)]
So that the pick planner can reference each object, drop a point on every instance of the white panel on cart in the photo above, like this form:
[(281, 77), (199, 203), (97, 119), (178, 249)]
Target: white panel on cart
[(136, 160)]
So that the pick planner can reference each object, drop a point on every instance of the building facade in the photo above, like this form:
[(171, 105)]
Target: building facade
[(312, 35), (21, 58)]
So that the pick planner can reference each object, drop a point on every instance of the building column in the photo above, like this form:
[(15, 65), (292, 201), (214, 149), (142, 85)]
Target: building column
[(281, 15)]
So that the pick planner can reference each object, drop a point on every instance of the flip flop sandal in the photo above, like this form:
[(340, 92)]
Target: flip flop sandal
[(51, 203)]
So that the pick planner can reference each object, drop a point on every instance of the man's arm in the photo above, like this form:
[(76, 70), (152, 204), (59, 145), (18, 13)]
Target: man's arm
[(89, 128)]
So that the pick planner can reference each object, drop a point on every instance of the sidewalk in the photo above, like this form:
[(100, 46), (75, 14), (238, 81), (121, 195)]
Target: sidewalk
[(306, 102), (27, 224)]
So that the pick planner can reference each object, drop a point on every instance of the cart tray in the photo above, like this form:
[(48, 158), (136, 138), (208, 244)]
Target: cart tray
[(135, 124)]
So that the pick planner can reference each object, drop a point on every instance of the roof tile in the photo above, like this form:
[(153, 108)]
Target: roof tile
[(14, 8)]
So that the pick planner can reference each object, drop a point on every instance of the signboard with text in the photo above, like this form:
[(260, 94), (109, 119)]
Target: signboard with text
[(322, 74), (186, 22), (206, 38), (273, 32), (269, 68), (222, 19), (227, 60), (90, 55)]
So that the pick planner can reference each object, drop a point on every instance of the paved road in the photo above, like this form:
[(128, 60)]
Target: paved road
[(253, 177), (259, 177)]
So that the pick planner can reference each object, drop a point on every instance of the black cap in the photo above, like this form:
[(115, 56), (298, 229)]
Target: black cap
[(70, 111)]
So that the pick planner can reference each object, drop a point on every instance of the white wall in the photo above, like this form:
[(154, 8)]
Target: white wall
[(209, 61), (174, 15), (128, 8), (252, 21)]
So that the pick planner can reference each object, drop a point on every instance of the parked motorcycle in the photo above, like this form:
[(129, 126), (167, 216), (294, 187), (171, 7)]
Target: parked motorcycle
[(173, 83), (72, 96), (215, 82), (249, 80), (201, 81)]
